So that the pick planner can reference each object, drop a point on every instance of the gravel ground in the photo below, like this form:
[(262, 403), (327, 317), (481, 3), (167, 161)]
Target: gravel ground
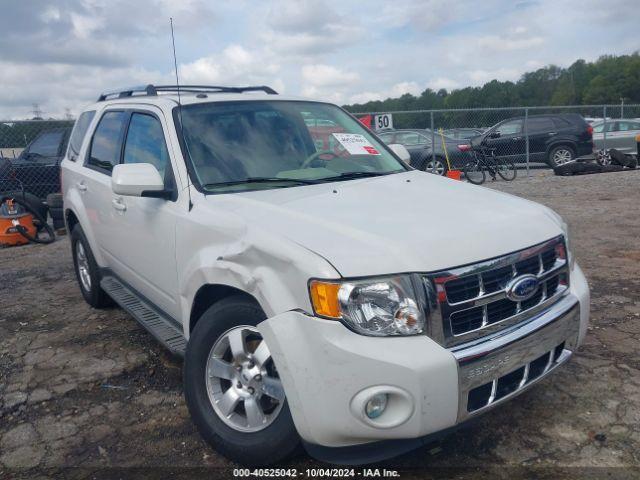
[(87, 393)]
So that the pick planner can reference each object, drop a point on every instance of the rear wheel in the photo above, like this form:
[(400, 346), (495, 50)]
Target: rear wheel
[(233, 389), (474, 172), (506, 169), (436, 165), (87, 271), (561, 155)]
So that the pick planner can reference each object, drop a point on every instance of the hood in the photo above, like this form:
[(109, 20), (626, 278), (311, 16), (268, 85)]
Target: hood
[(407, 222)]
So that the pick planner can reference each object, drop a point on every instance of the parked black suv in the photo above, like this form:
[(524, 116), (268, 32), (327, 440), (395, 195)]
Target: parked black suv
[(554, 139), (35, 173)]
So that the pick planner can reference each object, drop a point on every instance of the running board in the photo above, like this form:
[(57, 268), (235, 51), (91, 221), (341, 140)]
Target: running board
[(157, 324)]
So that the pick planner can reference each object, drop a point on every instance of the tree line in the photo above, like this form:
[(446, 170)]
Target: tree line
[(608, 80)]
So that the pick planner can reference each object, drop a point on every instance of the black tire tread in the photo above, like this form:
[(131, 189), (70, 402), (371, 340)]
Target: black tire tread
[(275, 443)]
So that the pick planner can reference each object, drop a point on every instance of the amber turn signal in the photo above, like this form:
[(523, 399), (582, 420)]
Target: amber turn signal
[(324, 297)]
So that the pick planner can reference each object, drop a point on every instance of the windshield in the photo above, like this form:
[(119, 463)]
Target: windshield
[(249, 145)]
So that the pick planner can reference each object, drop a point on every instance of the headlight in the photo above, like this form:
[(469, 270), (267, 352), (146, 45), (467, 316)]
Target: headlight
[(378, 307)]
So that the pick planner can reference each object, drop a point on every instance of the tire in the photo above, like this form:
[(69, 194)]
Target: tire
[(93, 294), (437, 166), (561, 155), (272, 440), (603, 157), (506, 169), (54, 200), (474, 173)]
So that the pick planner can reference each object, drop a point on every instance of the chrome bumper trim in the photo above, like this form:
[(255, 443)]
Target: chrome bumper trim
[(485, 361)]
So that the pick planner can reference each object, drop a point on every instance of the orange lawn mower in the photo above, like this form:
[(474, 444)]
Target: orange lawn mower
[(20, 223)]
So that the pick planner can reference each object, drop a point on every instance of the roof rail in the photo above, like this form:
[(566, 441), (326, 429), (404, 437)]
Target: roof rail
[(152, 90)]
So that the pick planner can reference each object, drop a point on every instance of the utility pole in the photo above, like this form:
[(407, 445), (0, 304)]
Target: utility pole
[(37, 112)]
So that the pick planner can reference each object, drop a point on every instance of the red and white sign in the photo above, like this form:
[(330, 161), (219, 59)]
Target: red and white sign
[(356, 144)]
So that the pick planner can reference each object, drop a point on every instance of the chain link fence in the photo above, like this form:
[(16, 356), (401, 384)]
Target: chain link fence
[(531, 137), (30, 155)]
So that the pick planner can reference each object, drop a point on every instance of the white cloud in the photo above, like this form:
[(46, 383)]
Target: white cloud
[(443, 82), (496, 42), (481, 76), (235, 66)]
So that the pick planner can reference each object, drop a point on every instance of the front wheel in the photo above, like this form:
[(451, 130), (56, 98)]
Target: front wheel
[(233, 389), (436, 165), (473, 172), (506, 169)]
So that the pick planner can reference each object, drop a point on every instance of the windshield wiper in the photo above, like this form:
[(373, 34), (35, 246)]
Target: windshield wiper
[(352, 175), (261, 180)]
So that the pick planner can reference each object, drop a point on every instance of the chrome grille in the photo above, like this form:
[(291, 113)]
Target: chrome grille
[(473, 301), (502, 387)]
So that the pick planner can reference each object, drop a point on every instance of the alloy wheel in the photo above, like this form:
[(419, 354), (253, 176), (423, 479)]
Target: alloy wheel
[(242, 382), (83, 267), (435, 166), (562, 156), (603, 157)]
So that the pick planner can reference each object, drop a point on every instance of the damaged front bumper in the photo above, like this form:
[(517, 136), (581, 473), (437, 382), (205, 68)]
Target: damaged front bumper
[(325, 369)]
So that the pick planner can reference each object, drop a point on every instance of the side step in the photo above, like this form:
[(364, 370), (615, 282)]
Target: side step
[(162, 328)]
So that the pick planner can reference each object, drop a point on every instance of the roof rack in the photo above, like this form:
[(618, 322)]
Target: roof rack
[(153, 90)]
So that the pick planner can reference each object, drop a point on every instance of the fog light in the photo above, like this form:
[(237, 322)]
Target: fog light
[(376, 405)]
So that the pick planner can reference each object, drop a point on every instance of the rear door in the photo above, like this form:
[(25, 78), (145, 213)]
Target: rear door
[(94, 186), (416, 145), (510, 142), (540, 131), (623, 137)]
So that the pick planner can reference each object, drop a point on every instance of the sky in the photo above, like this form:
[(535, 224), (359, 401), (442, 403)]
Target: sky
[(62, 54)]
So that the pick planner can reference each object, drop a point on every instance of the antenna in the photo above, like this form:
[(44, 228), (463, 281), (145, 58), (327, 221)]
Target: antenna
[(184, 141), (175, 65)]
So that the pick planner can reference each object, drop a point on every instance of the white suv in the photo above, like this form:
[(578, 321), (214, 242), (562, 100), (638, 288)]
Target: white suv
[(301, 268)]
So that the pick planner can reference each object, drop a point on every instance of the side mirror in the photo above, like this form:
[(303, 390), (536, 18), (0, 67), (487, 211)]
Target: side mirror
[(401, 151), (494, 134), (137, 180)]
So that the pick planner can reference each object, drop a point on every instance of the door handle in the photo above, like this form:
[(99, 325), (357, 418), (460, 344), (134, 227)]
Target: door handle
[(516, 138), (118, 205), (552, 133), (81, 186)]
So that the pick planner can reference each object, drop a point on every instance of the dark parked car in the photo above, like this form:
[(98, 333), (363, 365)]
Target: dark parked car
[(463, 133), (554, 139), (418, 143), (36, 172), (38, 166)]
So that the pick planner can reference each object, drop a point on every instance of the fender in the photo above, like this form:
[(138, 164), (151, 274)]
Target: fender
[(271, 268), (73, 203)]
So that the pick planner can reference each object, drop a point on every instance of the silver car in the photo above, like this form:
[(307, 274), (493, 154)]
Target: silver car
[(621, 134)]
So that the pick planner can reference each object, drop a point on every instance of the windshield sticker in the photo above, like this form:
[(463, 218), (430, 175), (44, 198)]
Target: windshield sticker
[(356, 144)]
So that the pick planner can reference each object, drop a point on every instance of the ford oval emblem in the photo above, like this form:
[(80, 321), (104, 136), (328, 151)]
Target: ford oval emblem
[(522, 288)]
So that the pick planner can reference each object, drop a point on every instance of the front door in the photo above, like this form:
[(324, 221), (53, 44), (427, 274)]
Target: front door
[(143, 254), (509, 142)]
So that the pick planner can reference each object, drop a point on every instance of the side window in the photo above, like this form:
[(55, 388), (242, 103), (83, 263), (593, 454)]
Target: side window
[(386, 137), (78, 133), (408, 139), (627, 126), (145, 142), (105, 145), (600, 128), (512, 127), (47, 144), (540, 124)]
